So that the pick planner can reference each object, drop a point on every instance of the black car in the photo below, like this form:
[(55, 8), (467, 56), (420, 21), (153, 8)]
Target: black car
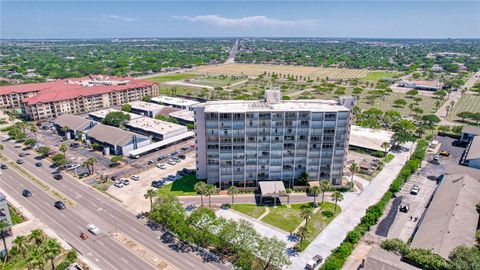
[(182, 157), (3, 166), (59, 205), (19, 161), (161, 158), (26, 193), (22, 154), (39, 164), (157, 184), (57, 176)]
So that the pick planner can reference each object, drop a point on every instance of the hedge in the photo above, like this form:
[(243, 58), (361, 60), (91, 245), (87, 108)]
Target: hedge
[(339, 255)]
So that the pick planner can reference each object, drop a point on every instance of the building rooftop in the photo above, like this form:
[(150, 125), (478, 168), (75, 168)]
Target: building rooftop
[(474, 149), (451, 219), (154, 125), (429, 83), (232, 106), (73, 122), (369, 138), (183, 114), (175, 101), (146, 106), (102, 113), (379, 259), (74, 87), (113, 135), (471, 130)]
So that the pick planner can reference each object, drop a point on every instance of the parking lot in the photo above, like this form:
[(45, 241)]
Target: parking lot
[(132, 195)]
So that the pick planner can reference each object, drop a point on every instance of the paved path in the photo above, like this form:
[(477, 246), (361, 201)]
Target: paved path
[(334, 234)]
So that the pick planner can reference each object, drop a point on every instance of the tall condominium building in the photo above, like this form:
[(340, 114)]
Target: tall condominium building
[(41, 101), (243, 142)]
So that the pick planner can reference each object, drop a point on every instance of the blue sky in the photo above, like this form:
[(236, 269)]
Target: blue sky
[(106, 19)]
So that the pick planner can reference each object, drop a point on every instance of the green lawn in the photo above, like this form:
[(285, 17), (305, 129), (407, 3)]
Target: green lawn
[(15, 216), (173, 77), (377, 75), (285, 218), (249, 209), (181, 187), (390, 157), (469, 102)]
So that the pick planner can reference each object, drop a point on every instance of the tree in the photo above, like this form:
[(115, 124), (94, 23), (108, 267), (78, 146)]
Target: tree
[(91, 162), (127, 107), (464, 115), (147, 98), (441, 94), (402, 137), (232, 191), (324, 187), (116, 159), (150, 194), (35, 260), (315, 191), (51, 249), (200, 188), (63, 148), (166, 118), (209, 191), (412, 92), (354, 169), (36, 237), (302, 179), (1, 149), (59, 160), (33, 129), (385, 146), (116, 119), (306, 213), (272, 253), (30, 141), (43, 150), (430, 119), (303, 232), (400, 102), (464, 258), (337, 196), (4, 226), (21, 244)]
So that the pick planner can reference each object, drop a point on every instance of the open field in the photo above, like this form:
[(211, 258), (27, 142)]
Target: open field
[(312, 72), (467, 103), (377, 75), (174, 77)]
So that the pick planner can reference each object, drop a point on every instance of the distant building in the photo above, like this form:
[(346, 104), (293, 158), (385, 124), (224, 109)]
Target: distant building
[(451, 219), (4, 211), (183, 117), (180, 103), (100, 115), (72, 125), (116, 141), (243, 142), (380, 259), (156, 129), (146, 108), (422, 85), (42, 101)]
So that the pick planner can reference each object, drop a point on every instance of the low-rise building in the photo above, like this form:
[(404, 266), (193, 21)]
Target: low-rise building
[(146, 108), (100, 115), (472, 154), (156, 129), (180, 103), (422, 85), (380, 259), (116, 141), (451, 219), (369, 140), (72, 125), (4, 211), (468, 132), (183, 117)]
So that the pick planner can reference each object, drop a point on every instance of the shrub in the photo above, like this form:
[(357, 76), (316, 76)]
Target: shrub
[(378, 154), (353, 236), (425, 259), (327, 214), (396, 246)]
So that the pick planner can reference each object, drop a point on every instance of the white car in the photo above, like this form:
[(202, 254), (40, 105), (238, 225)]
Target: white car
[(118, 184), (161, 166), (135, 177), (171, 162), (93, 229), (414, 190)]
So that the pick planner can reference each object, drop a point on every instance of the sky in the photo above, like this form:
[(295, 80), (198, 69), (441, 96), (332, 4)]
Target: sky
[(134, 19)]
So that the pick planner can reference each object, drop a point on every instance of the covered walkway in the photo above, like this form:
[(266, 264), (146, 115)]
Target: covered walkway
[(156, 146)]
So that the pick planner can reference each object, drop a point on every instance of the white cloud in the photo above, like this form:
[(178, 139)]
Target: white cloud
[(118, 18), (246, 21)]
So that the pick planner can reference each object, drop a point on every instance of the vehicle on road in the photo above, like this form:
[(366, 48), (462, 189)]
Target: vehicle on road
[(436, 157), (118, 184), (26, 193), (22, 154), (84, 236), (19, 161), (135, 177), (57, 176), (161, 166), (59, 205), (3, 166), (415, 189), (444, 153), (93, 229), (39, 164), (314, 262)]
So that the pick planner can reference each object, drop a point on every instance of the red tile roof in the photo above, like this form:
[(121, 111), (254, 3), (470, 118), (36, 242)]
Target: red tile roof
[(65, 89)]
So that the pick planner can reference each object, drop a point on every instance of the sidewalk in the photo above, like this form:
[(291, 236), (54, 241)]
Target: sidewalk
[(334, 234)]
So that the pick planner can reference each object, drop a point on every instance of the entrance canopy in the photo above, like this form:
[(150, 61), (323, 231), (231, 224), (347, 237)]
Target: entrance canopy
[(272, 188)]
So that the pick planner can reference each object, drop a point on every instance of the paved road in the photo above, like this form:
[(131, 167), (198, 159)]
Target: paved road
[(93, 207), (233, 53)]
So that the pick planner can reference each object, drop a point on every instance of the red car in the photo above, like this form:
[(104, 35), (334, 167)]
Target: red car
[(84, 236)]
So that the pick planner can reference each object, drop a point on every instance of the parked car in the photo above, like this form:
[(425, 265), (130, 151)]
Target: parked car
[(57, 176), (415, 189), (158, 184), (125, 181), (190, 207), (161, 158), (182, 157), (72, 167), (314, 262), (39, 164), (22, 154), (3, 166), (436, 158), (118, 184), (93, 229), (26, 193), (181, 173), (404, 208), (171, 162), (19, 161), (17, 145), (59, 205), (150, 162), (172, 177), (444, 153), (187, 171), (161, 166), (135, 177)]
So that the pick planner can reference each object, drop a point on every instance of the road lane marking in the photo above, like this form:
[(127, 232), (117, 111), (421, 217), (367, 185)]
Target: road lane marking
[(125, 260)]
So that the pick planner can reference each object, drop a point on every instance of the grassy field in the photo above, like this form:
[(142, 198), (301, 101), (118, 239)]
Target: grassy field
[(469, 102), (181, 187), (172, 77), (319, 221), (15, 216), (285, 218), (249, 209), (377, 75), (312, 72)]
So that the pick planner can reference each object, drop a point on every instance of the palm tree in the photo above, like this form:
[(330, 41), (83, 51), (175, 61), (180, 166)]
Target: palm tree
[(315, 191), (4, 226), (303, 232), (33, 129), (21, 243), (306, 213), (288, 191), (91, 162), (385, 146), (337, 196), (35, 259), (150, 194), (232, 191), (63, 148), (353, 169), (209, 191), (1, 149), (51, 249), (65, 129), (86, 164), (324, 187), (36, 237), (200, 188)]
